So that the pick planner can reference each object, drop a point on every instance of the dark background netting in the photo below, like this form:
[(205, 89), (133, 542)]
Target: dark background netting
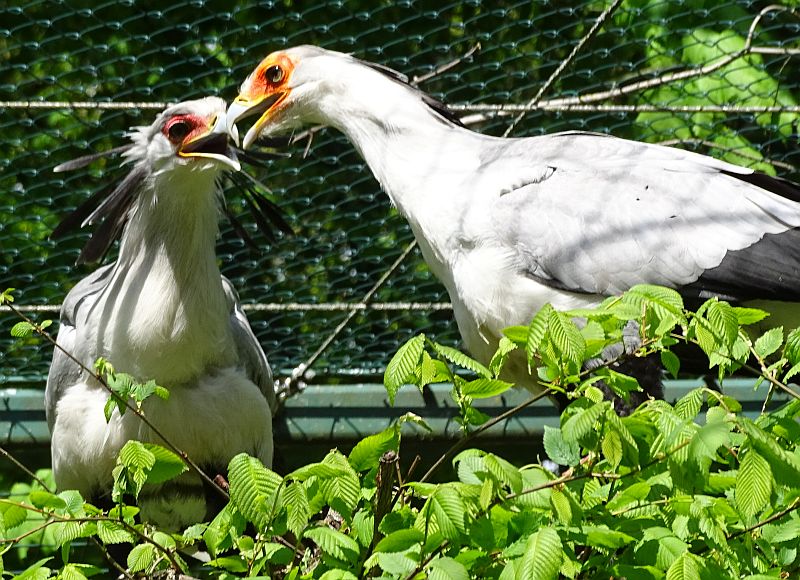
[(140, 53)]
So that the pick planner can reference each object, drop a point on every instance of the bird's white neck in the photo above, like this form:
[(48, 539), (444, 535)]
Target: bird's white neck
[(419, 158), (165, 301)]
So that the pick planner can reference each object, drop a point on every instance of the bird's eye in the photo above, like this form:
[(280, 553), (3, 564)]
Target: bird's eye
[(274, 74), (178, 130)]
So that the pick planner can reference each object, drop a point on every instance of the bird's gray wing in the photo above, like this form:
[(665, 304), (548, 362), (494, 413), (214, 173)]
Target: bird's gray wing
[(251, 355), (64, 372), (597, 214)]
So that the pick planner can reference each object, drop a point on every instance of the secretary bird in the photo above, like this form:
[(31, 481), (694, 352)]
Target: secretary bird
[(161, 311), (509, 224)]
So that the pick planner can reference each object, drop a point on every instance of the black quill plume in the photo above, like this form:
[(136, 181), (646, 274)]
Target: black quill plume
[(110, 206)]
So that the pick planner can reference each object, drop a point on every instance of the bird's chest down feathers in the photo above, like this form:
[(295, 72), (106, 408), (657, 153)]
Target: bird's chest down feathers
[(222, 414), (490, 291), (152, 327)]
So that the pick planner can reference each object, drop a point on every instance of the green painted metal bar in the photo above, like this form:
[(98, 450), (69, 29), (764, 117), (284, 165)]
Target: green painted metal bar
[(342, 414)]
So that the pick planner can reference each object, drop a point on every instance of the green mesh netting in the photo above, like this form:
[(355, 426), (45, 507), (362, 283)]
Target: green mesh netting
[(138, 53)]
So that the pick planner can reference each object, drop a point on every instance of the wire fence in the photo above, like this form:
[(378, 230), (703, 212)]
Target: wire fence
[(332, 302)]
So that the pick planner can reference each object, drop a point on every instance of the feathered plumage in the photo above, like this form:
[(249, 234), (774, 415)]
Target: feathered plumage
[(510, 224), (162, 311)]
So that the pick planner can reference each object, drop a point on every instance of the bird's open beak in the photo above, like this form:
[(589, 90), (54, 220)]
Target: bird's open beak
[(242, 108), (213, 145)]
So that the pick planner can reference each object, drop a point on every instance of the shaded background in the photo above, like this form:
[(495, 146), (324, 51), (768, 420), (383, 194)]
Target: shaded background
[(136, 54)]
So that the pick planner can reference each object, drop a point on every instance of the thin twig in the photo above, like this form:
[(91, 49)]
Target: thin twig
[(299, 371), (565, 63), (671, 77), (110, 559), (460, 444), (58, 519), (445, 67), (776, 516), (183, 455), (24, 468)]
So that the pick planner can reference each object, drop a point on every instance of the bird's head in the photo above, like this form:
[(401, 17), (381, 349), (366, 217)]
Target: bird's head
[(307, 85), (189, 135), (285, 90)]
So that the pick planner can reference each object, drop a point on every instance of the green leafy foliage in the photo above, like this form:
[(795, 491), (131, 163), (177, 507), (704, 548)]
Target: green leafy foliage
[(694, 489)]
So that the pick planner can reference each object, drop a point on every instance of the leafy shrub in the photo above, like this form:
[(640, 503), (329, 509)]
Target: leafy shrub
[(690, 490)]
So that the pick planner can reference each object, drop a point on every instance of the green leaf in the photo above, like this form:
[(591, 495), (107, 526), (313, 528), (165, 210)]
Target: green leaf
[(135, 455), (295, 499), (543, 555), (567, 338), (334, 543), (400, 541), (141, 557), (220, 533), (392, 563), (367, 453), (78, 572), (22, 329), (235, 564), (67, 531), (35, 571), (706, 441), (342, 491), (724, 321), (113, 532), (448, 512), (785, 466), (559, 450), (582, 423), (252, 488), (444, 568), (753, 484), (666, 298), (769, 342), (537, 330), (13, 515), (504, 472), (428, 370), (688, 406), (401, 369), (167, 465), (364, 527), (792, 349), (457, 357), (611, 446), (685, 567), (338, 575), (485, 388), (505, 347), (6, 296), (747, 316), (671, 362), (604, 537), (46, 500)]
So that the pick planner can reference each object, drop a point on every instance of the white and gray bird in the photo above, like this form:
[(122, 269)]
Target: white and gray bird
[(161, 311), (509, 224)]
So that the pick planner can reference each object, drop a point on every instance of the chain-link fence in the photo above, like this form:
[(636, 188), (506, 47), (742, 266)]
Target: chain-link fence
[(718, 77)]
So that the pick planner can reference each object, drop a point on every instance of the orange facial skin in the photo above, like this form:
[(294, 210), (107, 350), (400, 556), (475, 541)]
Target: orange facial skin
[(266, 80)]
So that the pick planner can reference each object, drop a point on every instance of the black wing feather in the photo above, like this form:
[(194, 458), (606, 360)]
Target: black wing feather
[(438, 106), (87, 159), (239, 229), (776, 185)]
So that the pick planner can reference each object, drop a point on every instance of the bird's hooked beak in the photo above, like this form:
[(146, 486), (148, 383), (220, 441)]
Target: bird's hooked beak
[(243, 107), (213, 144)]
